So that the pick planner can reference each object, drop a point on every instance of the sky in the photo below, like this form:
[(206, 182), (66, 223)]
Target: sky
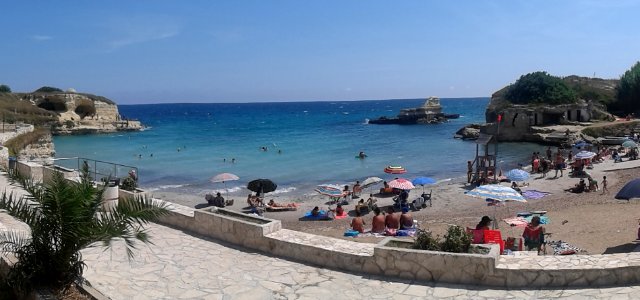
[(159, 51)]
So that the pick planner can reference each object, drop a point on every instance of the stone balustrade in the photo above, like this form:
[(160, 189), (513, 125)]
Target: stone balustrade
[(393, 258)]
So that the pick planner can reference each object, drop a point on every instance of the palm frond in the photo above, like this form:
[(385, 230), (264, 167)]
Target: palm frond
[(12, 241)]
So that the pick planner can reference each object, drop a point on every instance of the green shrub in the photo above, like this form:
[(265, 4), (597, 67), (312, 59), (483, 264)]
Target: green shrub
[(540, 87), (5, 88), (129, 184), (48, 89), (426, 241), (456, 240), (69, 124), (628, 91)]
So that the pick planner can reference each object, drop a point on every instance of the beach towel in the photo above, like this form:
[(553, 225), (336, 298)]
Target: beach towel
[(351, 233), (322, 216), (543, 219), (533, 194), (563, 248), (370, 234), (342, 216), (516, 221), (406, 232)]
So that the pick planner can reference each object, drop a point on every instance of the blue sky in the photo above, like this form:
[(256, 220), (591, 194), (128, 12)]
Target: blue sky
[(154, 51)]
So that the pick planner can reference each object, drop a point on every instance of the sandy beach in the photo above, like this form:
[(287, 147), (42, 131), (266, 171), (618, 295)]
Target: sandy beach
[(593, 221)]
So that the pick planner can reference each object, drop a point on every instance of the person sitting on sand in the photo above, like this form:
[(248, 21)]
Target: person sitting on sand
[(357, 223), (361, 206), (315, 211), (339, 211), (386, 189), (392, 220), (593, 185), (218, 200), (484, 223), (251, 201), (406, 220), (346, 193), (533, 234), (514, 185), (372, 202), (578, 188), (377, 224)]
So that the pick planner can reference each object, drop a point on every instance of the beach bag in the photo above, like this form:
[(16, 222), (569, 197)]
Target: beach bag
[(351, 233)]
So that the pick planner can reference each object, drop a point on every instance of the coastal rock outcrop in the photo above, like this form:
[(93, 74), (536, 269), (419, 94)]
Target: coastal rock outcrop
[(79, 113), (469, 132)]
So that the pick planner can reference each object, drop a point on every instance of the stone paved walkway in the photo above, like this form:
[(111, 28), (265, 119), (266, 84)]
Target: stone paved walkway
[(182, 266)]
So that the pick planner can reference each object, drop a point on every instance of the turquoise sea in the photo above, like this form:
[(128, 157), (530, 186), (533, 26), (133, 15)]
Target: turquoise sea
[(309, 143)]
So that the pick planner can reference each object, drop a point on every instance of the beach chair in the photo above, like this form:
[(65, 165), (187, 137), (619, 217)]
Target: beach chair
[(494, 237)]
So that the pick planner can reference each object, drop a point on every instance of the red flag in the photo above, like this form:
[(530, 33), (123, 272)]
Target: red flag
[(499, 118)]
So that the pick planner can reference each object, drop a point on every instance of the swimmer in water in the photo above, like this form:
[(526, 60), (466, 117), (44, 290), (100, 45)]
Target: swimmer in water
[(361, 155), (233, 160)]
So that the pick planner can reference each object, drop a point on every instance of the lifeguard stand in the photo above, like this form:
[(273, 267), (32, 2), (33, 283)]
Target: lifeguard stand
[(486, 159)]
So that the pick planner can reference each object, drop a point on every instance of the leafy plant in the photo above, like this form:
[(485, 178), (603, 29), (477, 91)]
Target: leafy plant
[(426, 241), (48, 89), (628, 91), (456, 240), (129, 184), (64, 218), (540, 87), (5, 88), (18, 143), (69, 124)]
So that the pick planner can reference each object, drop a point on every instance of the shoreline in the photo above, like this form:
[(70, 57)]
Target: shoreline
[(588, 215)]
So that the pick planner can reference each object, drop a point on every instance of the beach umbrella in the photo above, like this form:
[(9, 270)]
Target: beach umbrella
[(401, 184), (581, 144), (262, 186), (517, 175), (584, 155), (629, 144), (224, 177), (496, 192), (371, 181), (422, 181), (395, 170), (330, 190), (630, 190)]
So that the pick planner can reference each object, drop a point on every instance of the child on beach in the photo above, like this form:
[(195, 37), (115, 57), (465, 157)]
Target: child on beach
[(604, 185)]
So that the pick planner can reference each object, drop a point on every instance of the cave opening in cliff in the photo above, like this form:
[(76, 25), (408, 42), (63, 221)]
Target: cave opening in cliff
[(50, 104), (552, 119)]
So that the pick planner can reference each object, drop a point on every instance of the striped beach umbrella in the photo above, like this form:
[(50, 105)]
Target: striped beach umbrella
[(517, 175), (395, 170), (584, 155), (330, 190), (496, 192)]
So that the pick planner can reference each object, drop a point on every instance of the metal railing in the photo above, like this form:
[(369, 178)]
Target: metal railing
[(98, 170)]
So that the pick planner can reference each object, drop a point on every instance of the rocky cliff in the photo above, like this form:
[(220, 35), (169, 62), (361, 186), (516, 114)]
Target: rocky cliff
[(79, 113)]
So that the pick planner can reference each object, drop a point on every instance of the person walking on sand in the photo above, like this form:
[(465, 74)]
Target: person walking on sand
[(559, 164), (604, 185)]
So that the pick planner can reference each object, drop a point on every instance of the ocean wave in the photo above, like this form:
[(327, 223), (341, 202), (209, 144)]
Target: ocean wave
[(164, 187), (284, 190)]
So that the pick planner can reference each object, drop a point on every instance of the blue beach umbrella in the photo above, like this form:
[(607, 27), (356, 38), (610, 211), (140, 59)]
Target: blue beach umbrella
[(517, 175), (630, 190), (629, 144), (422, 181), (496, 192)]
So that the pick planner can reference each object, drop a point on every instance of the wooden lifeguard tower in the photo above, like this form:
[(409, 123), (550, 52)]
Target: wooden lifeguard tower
[(486, 158)]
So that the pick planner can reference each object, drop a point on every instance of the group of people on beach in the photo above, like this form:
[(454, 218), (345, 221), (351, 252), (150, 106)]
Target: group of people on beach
[(382, 223)]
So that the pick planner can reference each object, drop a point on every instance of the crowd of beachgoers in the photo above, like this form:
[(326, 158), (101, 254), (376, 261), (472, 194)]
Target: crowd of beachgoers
[(574, 195)]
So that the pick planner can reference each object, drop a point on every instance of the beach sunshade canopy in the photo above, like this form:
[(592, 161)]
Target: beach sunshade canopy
[(584, 155), (517, 175), (371, 181), (581, 144), (629, 144), (224, 177), (395, 170), (423, 181), (329, 190), (262, 186), (401, 184), (630, 190), (496, 192)]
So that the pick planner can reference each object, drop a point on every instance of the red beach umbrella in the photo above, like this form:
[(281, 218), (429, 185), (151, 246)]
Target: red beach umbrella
[(401, 184), (395, 170)]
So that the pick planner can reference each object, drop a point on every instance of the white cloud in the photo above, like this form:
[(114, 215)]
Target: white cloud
[(41, 38), (141, 29)]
